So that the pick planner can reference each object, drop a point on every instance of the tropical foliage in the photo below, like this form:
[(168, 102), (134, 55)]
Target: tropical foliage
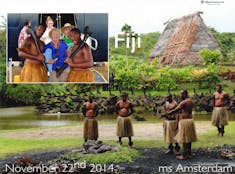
[(136, 75), (226, 42), (209, 57)]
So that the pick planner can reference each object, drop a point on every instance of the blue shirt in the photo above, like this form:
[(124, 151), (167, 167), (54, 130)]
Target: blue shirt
[(59, 53)]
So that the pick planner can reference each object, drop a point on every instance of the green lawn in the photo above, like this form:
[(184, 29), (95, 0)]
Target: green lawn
[(211, 139), (12, 146), (124, 154)]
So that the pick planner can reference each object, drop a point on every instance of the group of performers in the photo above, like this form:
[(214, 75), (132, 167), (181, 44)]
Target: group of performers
[(179, 131), (176, 131), (124, 109), (55, 51)]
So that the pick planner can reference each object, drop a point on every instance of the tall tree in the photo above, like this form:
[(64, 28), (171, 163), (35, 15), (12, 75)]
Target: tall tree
[(3, 37), (126, 29), (3, 23)]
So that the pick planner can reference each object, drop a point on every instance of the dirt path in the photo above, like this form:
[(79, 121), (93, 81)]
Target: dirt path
[(143, 131)]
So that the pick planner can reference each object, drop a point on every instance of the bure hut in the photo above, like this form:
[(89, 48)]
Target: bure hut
[(182, 40)]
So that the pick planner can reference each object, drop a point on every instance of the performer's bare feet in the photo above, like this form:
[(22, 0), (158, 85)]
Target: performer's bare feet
[(131, 145), (119, 142), (169, 151), (176, 152), (181, 157), (189, 156)]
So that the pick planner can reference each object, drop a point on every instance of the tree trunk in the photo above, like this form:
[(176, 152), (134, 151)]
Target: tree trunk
[(98, 89), (199, 84), (110, 90), (120, 90), (132, 91), (144, 89)]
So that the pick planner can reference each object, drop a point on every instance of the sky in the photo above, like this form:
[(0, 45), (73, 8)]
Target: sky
[(143, 15)]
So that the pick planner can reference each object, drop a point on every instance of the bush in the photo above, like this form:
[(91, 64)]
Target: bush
[(210, 57)]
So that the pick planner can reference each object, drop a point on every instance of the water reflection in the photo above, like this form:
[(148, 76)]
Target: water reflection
[(28, 117)]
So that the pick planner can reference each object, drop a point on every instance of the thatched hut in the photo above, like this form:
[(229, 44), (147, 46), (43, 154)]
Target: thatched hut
[(182, 40)]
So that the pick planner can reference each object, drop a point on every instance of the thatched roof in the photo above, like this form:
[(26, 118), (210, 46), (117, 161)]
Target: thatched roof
[(182, 40)]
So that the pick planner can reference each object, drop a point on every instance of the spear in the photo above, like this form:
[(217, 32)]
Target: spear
[(87, 33)]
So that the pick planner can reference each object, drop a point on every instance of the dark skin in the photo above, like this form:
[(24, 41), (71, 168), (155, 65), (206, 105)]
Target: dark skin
[(29, 50), (84, 58), (220, 97), (186, 106), (90, 108), (124, 108), (171, 104)]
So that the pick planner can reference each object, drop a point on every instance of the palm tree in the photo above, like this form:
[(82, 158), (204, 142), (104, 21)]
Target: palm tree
[(3, 23), (3, 37), (126, 29)]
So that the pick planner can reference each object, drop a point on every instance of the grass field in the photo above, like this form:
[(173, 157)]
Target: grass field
[(14, 146), (124, 154), (11, 146)]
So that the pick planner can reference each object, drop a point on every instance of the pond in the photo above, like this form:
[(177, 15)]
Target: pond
[(28, 117)]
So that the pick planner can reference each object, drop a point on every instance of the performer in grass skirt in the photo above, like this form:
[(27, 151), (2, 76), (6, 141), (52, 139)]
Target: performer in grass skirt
[(33, 69), (90, 111), (81, 64), (220, 114), (187, 132), (170, 125), (124, 109)]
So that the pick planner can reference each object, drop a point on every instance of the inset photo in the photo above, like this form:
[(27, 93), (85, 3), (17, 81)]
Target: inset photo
[(57, 48)]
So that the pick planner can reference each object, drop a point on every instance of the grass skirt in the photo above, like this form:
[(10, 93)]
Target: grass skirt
[(124, 127), (187, 131), (90, 129), (170, 128), (85, 75), (219, 116), (33, 72)]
